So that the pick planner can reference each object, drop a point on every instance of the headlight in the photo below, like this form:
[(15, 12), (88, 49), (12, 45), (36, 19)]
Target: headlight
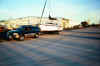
[(16, 35)]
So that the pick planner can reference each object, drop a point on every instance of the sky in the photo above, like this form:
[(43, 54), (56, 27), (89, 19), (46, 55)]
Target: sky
[(75, 10)]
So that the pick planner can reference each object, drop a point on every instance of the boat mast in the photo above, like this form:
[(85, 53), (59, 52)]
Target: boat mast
[(43, 11)]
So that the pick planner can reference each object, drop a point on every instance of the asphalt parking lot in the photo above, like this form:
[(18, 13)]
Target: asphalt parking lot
[(79, 47)]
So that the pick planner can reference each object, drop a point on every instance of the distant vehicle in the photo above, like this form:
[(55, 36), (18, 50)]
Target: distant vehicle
[(23, 31), (51, 27), (85, 24)]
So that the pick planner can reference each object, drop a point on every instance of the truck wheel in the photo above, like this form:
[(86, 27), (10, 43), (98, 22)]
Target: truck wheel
[(21, 38), (36, 36), (10, 38)]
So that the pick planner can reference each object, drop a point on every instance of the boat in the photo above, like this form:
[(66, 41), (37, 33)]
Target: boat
[(52, 25)]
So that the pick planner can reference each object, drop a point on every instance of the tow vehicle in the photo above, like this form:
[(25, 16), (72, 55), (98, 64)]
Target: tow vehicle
[(24, 31)]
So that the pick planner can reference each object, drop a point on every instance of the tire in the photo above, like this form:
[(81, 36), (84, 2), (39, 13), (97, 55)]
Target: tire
[(9, 38), (36, 36), (21, 38)]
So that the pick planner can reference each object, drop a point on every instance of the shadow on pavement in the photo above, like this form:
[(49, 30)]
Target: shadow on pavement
[(85, 37), (83, 32)]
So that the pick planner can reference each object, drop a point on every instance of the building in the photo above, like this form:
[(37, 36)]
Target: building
[(31, 20), (65, 23)]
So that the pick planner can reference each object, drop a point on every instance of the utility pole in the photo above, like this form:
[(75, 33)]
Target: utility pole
[(43, 11)]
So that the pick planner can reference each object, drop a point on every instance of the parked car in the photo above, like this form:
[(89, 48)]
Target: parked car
[(3, 31), (23, 31), (3, 28)]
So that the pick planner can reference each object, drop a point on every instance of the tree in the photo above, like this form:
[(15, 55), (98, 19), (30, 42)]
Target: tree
[(2, 20)]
